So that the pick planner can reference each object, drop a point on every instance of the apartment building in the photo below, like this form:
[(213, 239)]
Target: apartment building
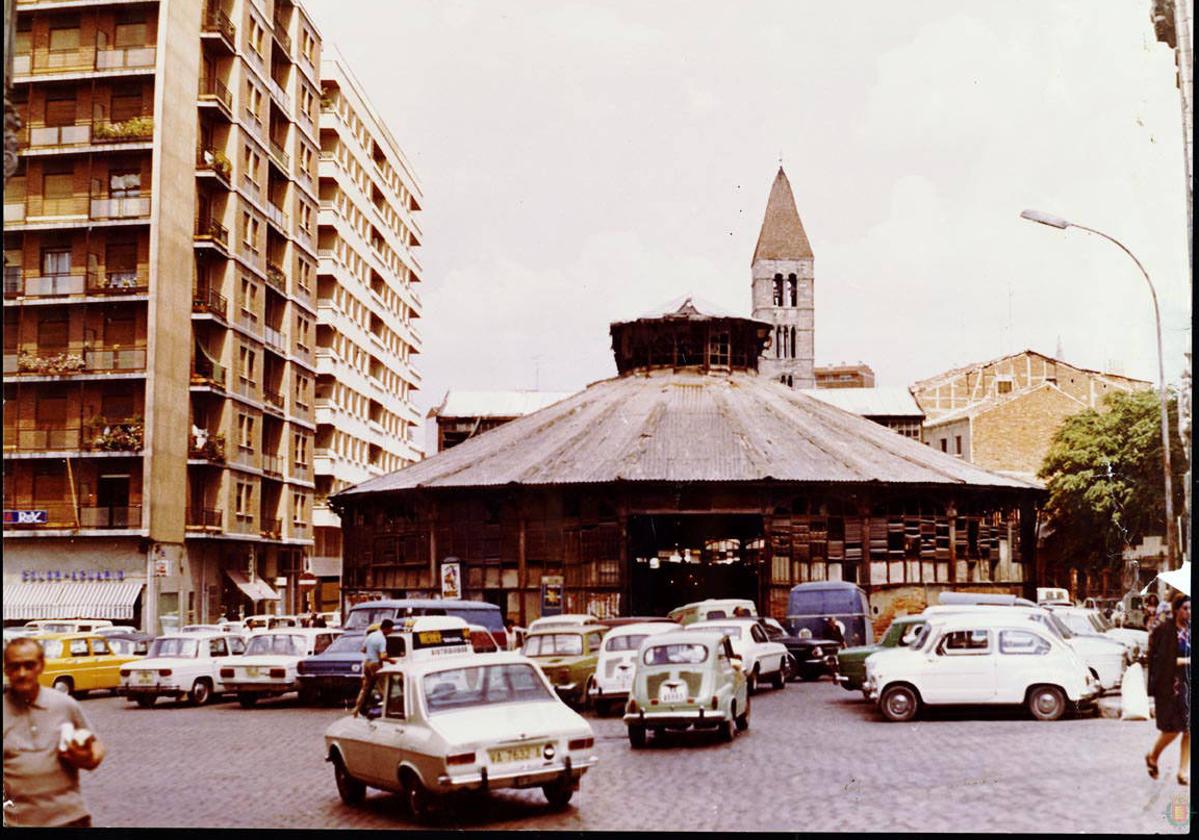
[(160, 310), (367, 308)]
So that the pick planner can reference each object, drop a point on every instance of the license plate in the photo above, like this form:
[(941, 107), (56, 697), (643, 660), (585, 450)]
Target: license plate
[(624, 680), (672, 694), (251, 671), (145, 676), (506, 755)]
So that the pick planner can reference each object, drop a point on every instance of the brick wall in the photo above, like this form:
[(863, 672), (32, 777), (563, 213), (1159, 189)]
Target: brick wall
[(1015, 435)]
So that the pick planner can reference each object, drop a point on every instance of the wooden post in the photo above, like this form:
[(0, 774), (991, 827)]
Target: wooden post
[(74, 492), (522, 579)]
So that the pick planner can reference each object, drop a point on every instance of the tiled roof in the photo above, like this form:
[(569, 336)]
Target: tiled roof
[(495, 403), (782, 236), (870, 402)]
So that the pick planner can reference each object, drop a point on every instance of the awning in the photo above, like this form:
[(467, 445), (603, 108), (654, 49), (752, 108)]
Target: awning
[(255, 590), (92, 599)]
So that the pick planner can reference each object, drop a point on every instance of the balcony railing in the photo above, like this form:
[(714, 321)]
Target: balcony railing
[(274, 339), (114, 360), (210, 230), (208, 447), (281, 157), (207, 300), (217, 21), (214, 90), (55, 285), (122, 207), (63, 514), (272, 529), (272, 465), (100, 436), (132, 130), (205, 372), (74, 283), (214, 160), (275, 214), (204, 518), (273, 398), (80, 60), (118, 282), (276, 277), (280, 33), (13, 284), (280, 95), (129, 516), (43, 136), (128, 58), (301, 471)]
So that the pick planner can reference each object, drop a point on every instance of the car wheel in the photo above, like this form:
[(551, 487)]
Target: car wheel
[(752, 682), (637, 737), (63, 684), (899, 703), (1046, 702), (728, 727), (416, 796), (200, 694), (308, 696), (247, 701), (779, 680), (145, 701), (558, 794), (349, 789), (743, 720)]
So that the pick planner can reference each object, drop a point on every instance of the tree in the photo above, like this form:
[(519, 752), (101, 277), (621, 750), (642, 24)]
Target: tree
[(1104, 476)]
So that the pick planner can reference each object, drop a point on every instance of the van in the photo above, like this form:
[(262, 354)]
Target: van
[(1053, 595), (809, 604), (713, 608), (361, 616)]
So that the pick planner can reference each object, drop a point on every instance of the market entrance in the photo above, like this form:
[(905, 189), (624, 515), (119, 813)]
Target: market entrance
[(675, 559)]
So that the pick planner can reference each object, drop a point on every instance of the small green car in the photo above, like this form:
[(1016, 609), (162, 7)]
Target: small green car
[(851, 662), (687, 679), (567, 657)]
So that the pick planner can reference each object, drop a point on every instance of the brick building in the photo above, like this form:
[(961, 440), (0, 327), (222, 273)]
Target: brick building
[(845, 376)]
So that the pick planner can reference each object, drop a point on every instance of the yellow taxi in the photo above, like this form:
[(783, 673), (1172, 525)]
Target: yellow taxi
[(77, 663)]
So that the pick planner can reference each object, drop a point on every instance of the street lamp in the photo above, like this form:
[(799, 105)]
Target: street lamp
[(1062, 224)]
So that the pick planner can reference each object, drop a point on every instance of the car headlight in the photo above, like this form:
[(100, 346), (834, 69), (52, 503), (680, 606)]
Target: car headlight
[(356, 668)]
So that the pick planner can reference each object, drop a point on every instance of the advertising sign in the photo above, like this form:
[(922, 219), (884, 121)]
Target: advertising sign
[(451, 579), (551, 594)]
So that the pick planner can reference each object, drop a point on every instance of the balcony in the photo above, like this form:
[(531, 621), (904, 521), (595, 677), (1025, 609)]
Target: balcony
[(130, 58), (207, 447), (278, 218), (212, 231), (51, 136), (14, 286), (64, 514), (209, 373), (213, 160), (279, 156), (43, 61), (213, 91), (272, 465), (113, 360), (204, 519), (301, 471), (18, 283), (273, 339), (207, 300), (120, 207), (216, 22), (279, 94), (276, 277), (280, 33), (97, 436), (273, 400), (272, 529), (132, 130)]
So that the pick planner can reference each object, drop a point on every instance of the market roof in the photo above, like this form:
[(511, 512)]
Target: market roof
[(687, 425), (782, 236), (870, 402), (495, 403)]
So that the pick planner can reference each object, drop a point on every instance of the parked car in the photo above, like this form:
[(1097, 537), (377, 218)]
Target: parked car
[(762, 659), (1084, 622), (612, 622), (116, 628), (180, 665), (331, 619), (980, 659), (687, 679), (567, 657), (268, 667), (200, 628), (73, 625), (994, 599), (1053, 595), (135, 643), (905, 631), (363, 615), (713, 608), (808, 657), (457, 723), (618, 661), (564, 620), (810, 604), (1130, 636), (264, 621), (77, 663)]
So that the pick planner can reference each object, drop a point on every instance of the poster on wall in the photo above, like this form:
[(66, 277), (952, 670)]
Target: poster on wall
[(551, 594), (451, 580)]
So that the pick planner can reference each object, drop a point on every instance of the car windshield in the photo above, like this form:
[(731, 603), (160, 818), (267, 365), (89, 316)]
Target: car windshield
[(483, 685), (279, 644), (360, 619), (346, 644), (1060, 626), (52, 648), (733, 631), (632, 641), (554, 644), (1079, 623), (174, 648), (1100, 623), (677, 654)]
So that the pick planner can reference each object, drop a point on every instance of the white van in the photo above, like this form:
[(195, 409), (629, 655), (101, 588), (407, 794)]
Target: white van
[(713, 608), (564, 620)]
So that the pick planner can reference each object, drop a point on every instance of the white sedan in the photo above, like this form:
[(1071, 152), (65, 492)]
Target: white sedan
[(617, 662), (461, 722), (1090, 622), (180, 665), (268, 667), (760, 657)]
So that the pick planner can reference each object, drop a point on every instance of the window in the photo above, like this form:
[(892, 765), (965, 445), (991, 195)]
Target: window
[(944, 444), (52, 331), (64, 39), (120, 259), (100, 647), (793, 289), (256, 37), (130, 30), (778, 290), (245, 431), (244, 498), (56, 261), (965, 643), (957, 444), (1004, 386), (299, 505), (300, 448), (125, 105), (247, 358), (250, 232), (58, 186), (120, 328), (236, 646), (1022, 643), (60, 108), (216, 647), (78, 647)]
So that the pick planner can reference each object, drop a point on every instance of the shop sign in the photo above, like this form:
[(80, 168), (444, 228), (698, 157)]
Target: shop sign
[(162, 567), (551, 594), (77, 576), (451, 579), (26, 517)]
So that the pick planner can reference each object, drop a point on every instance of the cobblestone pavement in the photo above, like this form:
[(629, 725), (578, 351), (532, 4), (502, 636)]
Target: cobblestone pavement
[(816, 757)]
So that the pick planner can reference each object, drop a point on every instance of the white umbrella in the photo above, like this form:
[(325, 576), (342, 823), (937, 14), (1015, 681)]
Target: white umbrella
[(1180, 578)]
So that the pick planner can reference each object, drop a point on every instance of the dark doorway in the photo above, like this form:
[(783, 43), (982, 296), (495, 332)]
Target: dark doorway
[(112, 501), (677, 559)]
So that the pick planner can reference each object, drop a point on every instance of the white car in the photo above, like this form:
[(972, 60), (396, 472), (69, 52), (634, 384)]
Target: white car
[(618, 661), (1105, 658), (461, 722), (565, 620), (266, 621), (1089, 622), (760, 658), (180, 665), (268, 667), (979, 658)]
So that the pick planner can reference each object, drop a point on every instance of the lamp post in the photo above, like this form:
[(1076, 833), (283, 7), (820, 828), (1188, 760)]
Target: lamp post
[(1062, 224)]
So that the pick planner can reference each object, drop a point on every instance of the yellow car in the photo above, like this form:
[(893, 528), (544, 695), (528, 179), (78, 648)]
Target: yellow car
[(77, 663)]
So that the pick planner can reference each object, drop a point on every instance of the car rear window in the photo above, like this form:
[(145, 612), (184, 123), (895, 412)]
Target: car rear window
[(277, 644), (554, 644), (174, 648), (482, 685), (630, 642), (676, 654), (344, 644)]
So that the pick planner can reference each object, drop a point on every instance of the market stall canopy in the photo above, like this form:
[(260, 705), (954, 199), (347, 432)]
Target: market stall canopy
[(1180, 578), (89, 599), (256, 589)]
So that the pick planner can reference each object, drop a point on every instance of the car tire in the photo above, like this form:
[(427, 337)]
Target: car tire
[(349, 789), (145, 701), (637, 737), (899, 703), (558, 794), (752, 683), (742, 721), (779, 680), (308, 696), (728, 727), (417, 798), (200, 694), (63, 684), (1046, 702), (247, 701)]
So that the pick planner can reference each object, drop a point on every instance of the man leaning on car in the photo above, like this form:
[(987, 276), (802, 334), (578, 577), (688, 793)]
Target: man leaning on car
[(375, 648)]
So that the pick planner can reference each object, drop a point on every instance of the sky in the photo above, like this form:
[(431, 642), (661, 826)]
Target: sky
[(584, 162)]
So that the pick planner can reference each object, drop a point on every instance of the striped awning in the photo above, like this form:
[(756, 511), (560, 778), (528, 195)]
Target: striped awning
[(90, 599), (255, 590)]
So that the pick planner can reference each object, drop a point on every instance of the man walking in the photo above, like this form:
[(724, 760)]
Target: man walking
[(375, 648), (41, 772)]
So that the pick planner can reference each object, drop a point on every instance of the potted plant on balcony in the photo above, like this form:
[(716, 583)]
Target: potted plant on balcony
[(131, 129), (117, 437), (60, 364)]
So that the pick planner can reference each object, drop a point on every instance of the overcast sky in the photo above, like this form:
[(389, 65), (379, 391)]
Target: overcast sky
[(582, 162)]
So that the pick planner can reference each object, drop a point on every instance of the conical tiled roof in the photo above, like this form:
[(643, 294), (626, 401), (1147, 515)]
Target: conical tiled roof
[(782, 236)]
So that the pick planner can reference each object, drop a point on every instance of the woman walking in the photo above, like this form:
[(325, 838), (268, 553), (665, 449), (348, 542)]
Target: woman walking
[(1170, 685)]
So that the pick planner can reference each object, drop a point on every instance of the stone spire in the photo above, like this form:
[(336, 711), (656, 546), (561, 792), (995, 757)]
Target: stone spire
[(782, 236)]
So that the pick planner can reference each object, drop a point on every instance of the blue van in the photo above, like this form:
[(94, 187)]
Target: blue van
[(362, 616), (809, 604)]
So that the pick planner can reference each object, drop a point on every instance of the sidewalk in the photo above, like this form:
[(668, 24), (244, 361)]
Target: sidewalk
[(1109, 706)]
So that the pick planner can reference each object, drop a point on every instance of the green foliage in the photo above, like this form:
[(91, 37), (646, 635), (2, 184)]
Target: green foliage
[(1104, 476)]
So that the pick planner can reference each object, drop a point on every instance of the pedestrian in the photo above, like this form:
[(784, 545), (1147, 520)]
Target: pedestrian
[(41, 769), (375, 648), (1170, 685)]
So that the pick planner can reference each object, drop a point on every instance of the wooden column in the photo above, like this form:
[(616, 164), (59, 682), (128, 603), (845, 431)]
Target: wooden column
[(522, 574)]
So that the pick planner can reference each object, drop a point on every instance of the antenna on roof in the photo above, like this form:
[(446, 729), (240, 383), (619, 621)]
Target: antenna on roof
[(780, 157)]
